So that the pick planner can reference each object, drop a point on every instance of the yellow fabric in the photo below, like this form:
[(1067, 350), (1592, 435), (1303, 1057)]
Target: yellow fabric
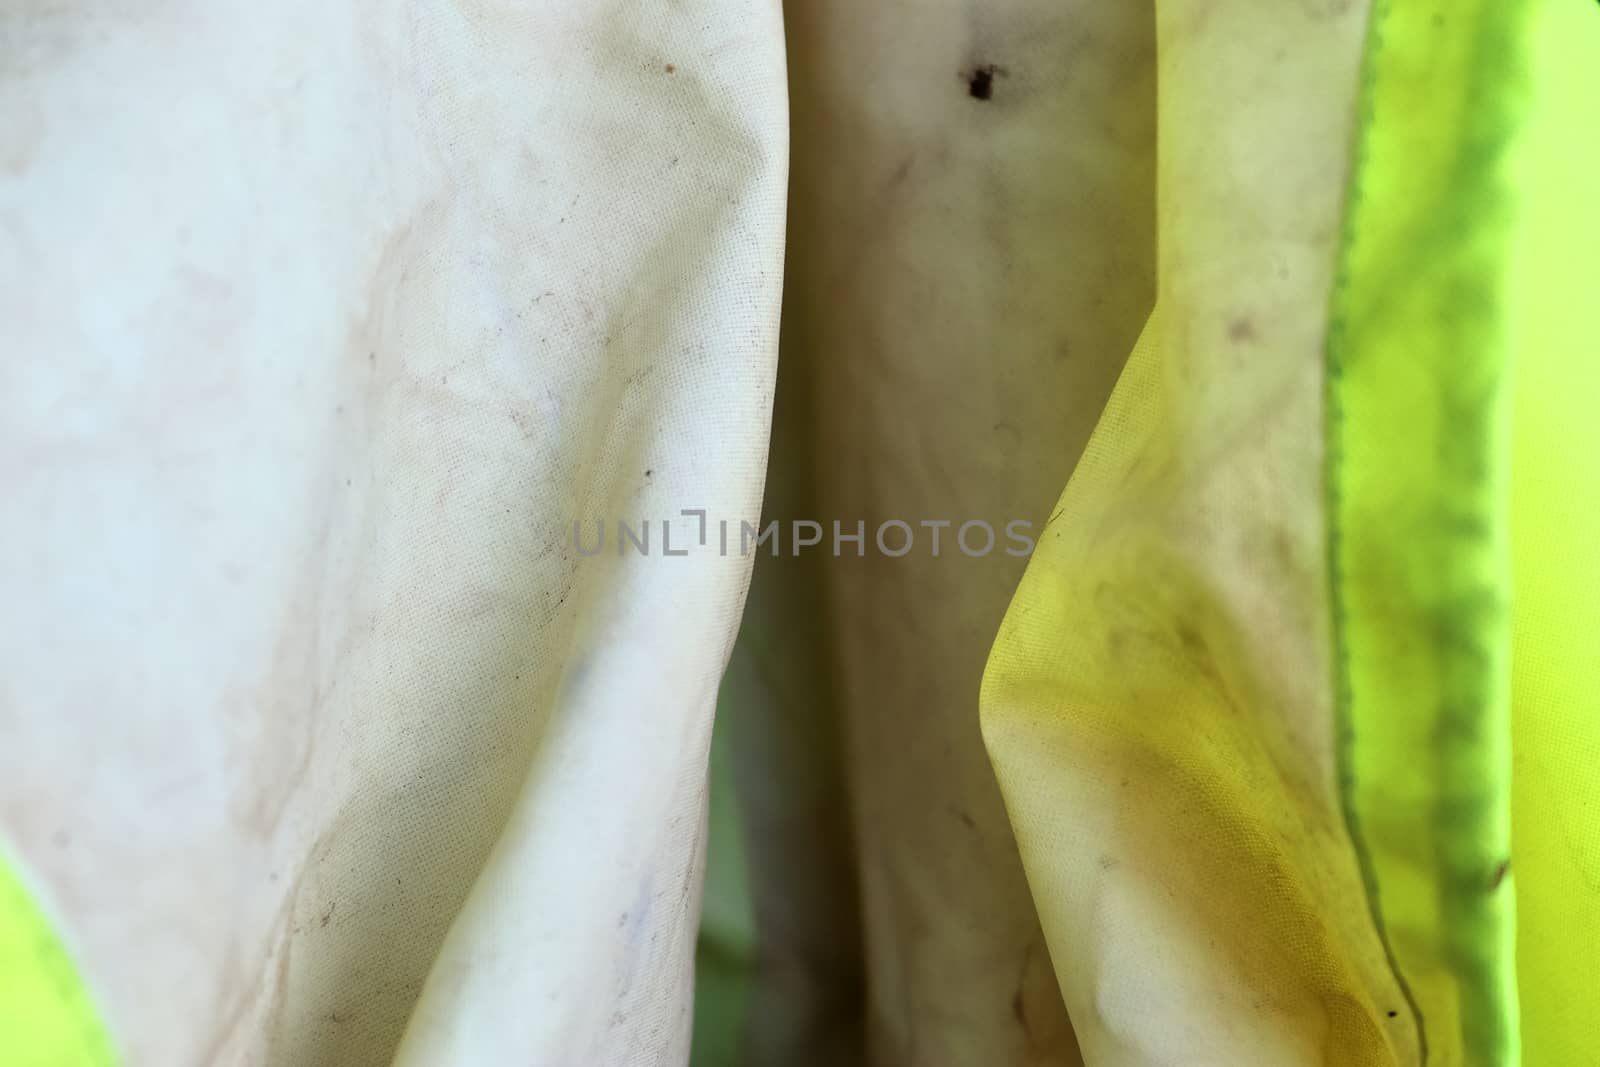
[(1555, 540), (1157, 704), (1184, 763), (46, 1018)]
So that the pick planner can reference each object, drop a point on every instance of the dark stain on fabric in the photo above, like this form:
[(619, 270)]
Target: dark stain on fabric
[(980, 80), (1020, 1011), (1501, 869), (671, 68), (1241, 329), (902, 171), (1019, 998), (1197, 653)]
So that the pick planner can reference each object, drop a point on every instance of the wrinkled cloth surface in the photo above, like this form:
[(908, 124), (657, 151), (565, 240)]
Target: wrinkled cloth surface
[(340, 725), (323, 325)]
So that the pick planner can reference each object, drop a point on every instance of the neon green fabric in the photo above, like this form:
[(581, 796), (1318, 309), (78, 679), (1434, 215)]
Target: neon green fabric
[(46, 1017), (1419, 366), (1555, 531)]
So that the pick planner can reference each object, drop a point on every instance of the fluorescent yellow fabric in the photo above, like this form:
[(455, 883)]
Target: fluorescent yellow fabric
[(1555, 541), (1419, 365), (46, 1017)]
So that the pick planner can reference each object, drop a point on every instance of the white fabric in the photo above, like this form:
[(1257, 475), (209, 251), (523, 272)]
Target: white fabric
[(322, 323)]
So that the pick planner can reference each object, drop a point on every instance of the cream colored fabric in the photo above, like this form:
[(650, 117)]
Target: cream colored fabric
[(321, 325), (966, 277)]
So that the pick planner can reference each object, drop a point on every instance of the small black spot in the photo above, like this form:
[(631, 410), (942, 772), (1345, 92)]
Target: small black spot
[(1391, 1013), (980, 81), (649, 472)]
